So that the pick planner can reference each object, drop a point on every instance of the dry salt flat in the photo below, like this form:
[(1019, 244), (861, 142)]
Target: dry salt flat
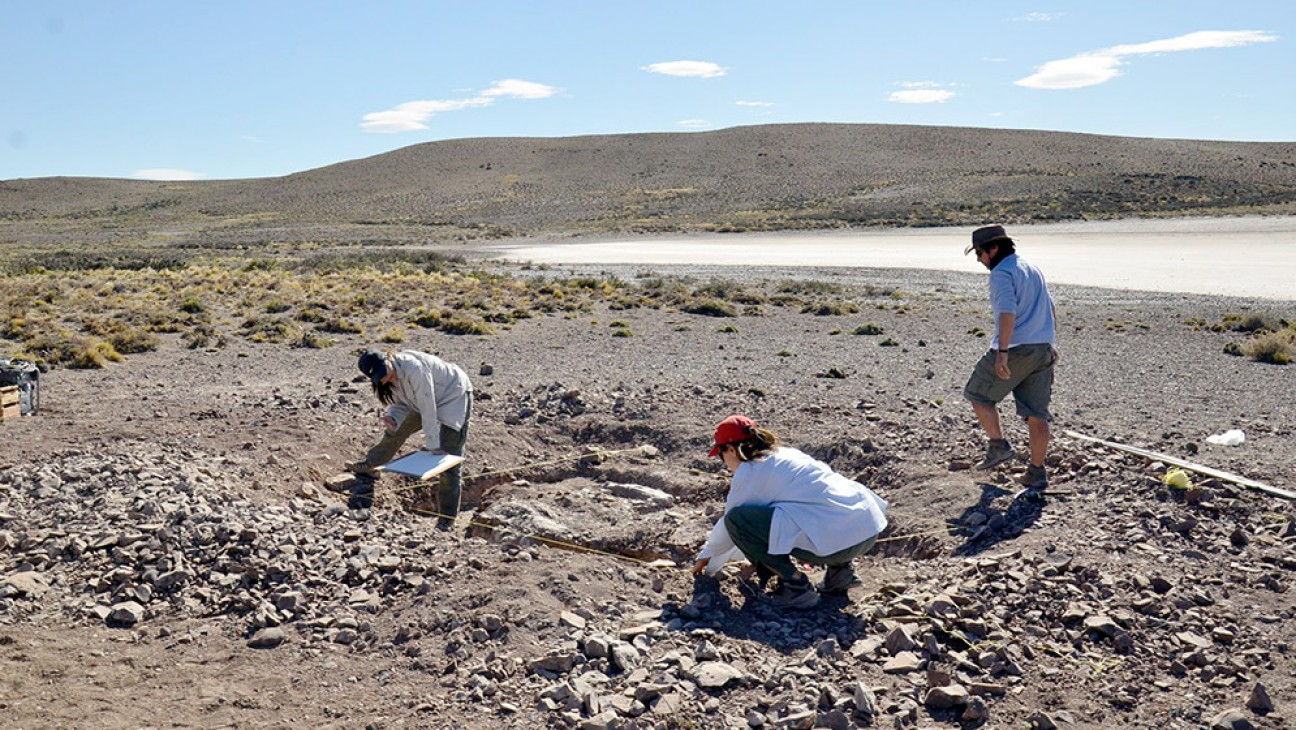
[(1240, 257)]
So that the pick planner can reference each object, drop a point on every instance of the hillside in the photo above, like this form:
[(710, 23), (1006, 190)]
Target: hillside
[(798, 176)]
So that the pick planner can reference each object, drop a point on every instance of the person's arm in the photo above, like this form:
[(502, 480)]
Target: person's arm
[(396, 413), (720, 548), (1007, 320), (425, 402), (1053, 307)]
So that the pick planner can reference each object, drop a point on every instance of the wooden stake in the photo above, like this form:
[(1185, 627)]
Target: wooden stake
[(1184, 464)]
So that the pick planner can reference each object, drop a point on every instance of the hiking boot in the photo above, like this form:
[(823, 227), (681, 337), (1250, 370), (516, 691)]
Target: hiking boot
[(1035, 478), (361, 468), (997, 452), (796, 594), (838, 578)]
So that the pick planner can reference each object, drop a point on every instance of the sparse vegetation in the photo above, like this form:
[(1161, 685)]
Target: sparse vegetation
[(831, 308), (1277, 348), (869, 328), (710, 308)]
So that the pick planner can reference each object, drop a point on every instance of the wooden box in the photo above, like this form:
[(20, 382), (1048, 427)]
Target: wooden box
[(9, 407)]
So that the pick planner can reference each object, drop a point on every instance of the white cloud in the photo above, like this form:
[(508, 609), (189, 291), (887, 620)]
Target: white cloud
[(1096, 67), (921, 96), (413, 115), (918, 84), (1036, 17), (755, 103), (1073, 73), (697, 69), (166, 173), (694, 123), (520, 89)]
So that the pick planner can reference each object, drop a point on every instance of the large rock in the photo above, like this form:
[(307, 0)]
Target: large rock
[(947, 697), (715, 675), (126, 613), (267, 638), (1231, 720), (28, 583)]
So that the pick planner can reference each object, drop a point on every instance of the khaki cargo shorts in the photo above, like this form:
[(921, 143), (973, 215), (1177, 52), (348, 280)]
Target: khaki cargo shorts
[(1031, 383)]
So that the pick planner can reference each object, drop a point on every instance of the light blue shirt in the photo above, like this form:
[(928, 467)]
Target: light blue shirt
[(1018, 288)]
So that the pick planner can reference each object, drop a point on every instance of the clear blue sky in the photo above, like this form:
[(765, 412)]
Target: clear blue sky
[(177, 89)]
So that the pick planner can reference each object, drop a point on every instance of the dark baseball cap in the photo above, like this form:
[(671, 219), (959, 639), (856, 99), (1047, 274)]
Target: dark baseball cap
[(373, 364)]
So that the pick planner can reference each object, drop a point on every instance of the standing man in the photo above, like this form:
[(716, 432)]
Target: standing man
[(420, 391), (1021, 356)]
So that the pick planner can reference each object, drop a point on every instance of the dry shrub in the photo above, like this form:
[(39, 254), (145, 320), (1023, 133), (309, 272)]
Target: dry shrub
[(1249, 323), (831, 309), (313, 341), (131, 340), (464, 326), (1272, 347), (94, 354), (710, 308), (202, 336), (341, 326)]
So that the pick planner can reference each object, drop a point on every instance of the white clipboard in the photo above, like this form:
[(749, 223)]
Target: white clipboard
[(422, 464)]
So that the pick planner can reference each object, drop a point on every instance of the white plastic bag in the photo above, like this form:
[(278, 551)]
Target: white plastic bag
[(1231, 437)]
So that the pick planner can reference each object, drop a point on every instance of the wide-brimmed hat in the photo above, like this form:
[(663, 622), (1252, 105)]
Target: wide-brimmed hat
[(732, 430), (374, 365), (985, 236)]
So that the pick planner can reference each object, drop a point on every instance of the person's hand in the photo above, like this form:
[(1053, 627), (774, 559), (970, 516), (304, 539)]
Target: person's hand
[(1056, 355), (700, 565), (388, 422), (1001, 366)]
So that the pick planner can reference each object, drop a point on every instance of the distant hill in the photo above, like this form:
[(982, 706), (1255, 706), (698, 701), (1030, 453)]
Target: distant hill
[(790, 176)]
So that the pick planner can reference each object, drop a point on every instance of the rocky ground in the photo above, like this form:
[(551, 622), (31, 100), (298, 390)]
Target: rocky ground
[(170, 555)]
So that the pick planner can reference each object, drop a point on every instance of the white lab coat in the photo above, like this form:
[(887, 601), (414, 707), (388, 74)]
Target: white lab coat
[(815, 508)]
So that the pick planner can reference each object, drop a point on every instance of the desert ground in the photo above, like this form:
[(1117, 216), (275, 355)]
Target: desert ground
[(172, 556)]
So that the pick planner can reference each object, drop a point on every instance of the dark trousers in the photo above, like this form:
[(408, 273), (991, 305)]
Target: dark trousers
[(749, 528), (452, 442)]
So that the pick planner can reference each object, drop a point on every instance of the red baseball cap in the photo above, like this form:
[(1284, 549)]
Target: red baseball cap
[(732, 430)]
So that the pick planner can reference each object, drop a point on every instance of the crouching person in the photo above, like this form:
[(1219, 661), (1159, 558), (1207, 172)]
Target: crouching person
[(782, 504), (421, 391)]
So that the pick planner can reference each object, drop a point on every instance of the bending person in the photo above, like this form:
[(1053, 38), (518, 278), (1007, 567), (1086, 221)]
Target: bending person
[(782, 504), (421, 391)]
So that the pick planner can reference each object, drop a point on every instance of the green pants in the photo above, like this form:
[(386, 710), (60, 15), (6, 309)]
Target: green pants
[(452, 442), (749, 528)]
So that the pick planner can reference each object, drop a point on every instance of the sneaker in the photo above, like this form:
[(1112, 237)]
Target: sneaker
[(997, 453), (796, 594), (361, 468), (1035, 478), (838, 579)]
